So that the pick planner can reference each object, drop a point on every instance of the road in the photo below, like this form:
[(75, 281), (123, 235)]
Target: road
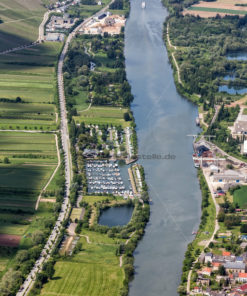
[(49, 246)]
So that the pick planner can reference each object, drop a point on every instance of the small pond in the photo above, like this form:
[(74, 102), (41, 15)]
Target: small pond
[(240, 56), (116, 216), (232, 90)]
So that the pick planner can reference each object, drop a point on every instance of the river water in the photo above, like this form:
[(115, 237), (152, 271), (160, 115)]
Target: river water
[(164, 119)]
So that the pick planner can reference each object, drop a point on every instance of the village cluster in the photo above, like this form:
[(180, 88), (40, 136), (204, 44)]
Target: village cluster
[(104, 23), (61, 22), (223, 171), (226, 268)]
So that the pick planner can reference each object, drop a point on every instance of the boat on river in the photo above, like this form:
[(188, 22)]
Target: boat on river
[(143, 4)]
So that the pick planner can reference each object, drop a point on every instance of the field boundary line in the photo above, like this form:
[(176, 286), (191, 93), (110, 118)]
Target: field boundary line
[(52, 176), (28, 131)]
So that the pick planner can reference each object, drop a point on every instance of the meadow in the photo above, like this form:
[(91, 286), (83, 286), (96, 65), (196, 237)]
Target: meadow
[(93, 271), (240, 197), (32, 159), (218, 10), (19, 17), (103, 115)]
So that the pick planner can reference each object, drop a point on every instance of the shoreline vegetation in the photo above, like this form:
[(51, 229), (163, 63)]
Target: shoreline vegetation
[(199, 50)]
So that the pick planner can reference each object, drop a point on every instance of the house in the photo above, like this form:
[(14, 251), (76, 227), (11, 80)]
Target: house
[(242, 289), (197, 290), (214, 168), (235, 267), (229, 176), (239, 259), (243, 245), (216, 265), (90, 153), (203, 281), (208, 257), (225, 253), (242, 277), (205, 271)]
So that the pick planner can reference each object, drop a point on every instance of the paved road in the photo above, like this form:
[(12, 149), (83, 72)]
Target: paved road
[(49, 246)]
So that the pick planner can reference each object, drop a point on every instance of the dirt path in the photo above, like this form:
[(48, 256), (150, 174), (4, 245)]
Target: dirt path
[(52, 176), (121, 257), (168, 37), (87, 238), (48, 200), (173, 56)]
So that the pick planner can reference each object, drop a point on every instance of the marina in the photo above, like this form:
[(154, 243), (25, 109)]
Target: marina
[(104, 177)]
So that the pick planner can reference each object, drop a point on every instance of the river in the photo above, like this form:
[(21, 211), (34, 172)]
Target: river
[(164, 119)]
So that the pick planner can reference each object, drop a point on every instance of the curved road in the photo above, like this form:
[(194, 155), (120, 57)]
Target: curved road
[(49, 246)]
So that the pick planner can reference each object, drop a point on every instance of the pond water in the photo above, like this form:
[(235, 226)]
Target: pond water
[(233, 90), (240, 56), (116, 216)]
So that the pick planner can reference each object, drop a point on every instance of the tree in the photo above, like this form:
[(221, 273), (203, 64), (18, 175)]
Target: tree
[(222, 270), (49, 269), (10, 283), (221, 216), (18, 100), (38, 237), (129, 271), (22, 256), (243, 228), (6, 160), (126, 116)]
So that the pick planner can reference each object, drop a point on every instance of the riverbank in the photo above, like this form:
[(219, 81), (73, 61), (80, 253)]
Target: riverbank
[(215, 120)]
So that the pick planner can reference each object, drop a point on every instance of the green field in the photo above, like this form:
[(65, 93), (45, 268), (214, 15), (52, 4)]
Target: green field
[(33, 158), (209, 9), (21, 224), (240, 197), (27, 116), (19, 17), (103, 115), (30, 75), (94, 271)]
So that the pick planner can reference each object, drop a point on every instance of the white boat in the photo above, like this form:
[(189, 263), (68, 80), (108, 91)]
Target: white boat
[(143, 4)]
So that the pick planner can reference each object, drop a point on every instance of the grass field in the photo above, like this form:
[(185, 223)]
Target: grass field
[(33, 158), (30, 75), (103, 115), (240, 197), (221, 7), (94, 271), (19, 17), (219, 10), (24, 225)]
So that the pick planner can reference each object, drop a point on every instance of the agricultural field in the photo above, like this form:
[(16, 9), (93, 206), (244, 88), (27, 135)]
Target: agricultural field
[(16, 231), (31, 160), (19, 17), (30, 76), (221, 7), (93, 271), (103, 115), (240, 197)]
